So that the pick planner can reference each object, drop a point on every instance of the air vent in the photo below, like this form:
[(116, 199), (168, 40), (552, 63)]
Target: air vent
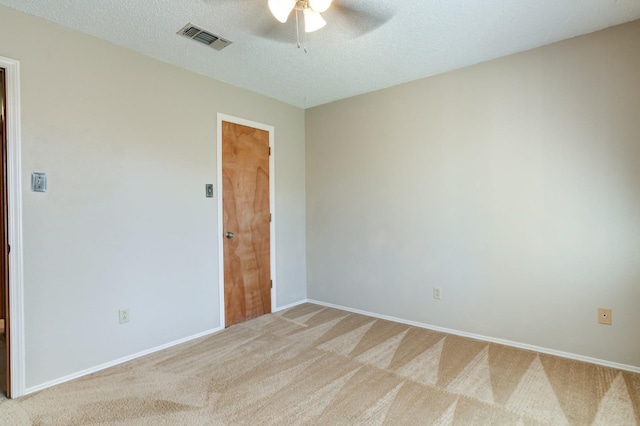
[(204, 37)]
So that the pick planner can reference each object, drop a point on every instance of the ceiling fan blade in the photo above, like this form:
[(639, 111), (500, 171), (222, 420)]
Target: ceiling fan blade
[(254, 17), (271, 29), (345, 19), (227, 2), (357, 20)]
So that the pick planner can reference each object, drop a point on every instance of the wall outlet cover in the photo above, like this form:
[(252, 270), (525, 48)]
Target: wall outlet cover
[(604, 316), (437, 293), (123, 315)]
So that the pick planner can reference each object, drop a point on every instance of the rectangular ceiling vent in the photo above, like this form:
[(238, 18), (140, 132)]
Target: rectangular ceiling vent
[(204, 37)]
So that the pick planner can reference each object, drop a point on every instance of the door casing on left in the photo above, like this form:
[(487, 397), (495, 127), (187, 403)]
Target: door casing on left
[(15, 313), (4, 242)]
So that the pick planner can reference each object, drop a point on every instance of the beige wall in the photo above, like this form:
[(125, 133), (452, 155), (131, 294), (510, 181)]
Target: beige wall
[(128, 144), (513, 185)]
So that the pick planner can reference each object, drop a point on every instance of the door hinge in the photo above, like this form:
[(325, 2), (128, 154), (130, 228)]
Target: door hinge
[(270, 218), (271, 283), (269, 150)]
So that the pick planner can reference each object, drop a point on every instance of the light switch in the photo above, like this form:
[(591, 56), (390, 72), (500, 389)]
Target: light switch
[(39, 182), (209, 190)]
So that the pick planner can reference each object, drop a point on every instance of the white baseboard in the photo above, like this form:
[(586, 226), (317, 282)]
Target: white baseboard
[(122, 360), (344, 308), (118, 361), (290, 305), (485, 338)]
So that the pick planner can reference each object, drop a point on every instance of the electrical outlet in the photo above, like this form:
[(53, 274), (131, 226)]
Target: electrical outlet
[(437, 293), (124, 315), (604, 316)]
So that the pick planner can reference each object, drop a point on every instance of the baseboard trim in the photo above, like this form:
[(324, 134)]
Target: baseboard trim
[(118, 361), (290, 305), (519, 345), (484, 338), (122, 360)]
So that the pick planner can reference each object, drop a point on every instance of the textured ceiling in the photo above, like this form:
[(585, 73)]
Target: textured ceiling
[(412, 39)]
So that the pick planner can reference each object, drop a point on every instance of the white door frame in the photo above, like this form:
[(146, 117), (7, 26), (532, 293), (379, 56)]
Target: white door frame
[(272, 206), (14, 218)]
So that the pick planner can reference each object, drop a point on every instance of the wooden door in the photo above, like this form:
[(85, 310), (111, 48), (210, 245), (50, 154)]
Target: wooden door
[(246, 222)]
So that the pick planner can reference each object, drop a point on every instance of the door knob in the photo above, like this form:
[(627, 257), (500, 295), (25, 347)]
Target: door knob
[(230, 235)]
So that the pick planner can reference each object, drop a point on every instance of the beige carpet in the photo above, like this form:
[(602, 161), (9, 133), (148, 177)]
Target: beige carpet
[(315, 365)]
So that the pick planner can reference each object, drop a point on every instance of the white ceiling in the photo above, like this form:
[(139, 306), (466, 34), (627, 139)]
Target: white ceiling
[(417, 38)]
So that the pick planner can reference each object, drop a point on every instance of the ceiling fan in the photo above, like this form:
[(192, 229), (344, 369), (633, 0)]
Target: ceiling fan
[(347, 19), (310, 9)]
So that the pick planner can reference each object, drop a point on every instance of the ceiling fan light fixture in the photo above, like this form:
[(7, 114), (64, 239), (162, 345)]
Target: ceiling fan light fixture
[(281, 9), (313, 21), (320, 5)]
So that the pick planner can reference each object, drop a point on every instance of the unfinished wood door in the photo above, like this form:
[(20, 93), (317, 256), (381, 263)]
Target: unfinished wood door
[(246, 222)]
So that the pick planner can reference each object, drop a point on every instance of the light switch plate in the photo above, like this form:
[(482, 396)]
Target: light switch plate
[(39, 182), (209, 190)]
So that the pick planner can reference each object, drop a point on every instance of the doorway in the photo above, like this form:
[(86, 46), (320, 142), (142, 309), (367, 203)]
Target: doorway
[(245, 208)]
